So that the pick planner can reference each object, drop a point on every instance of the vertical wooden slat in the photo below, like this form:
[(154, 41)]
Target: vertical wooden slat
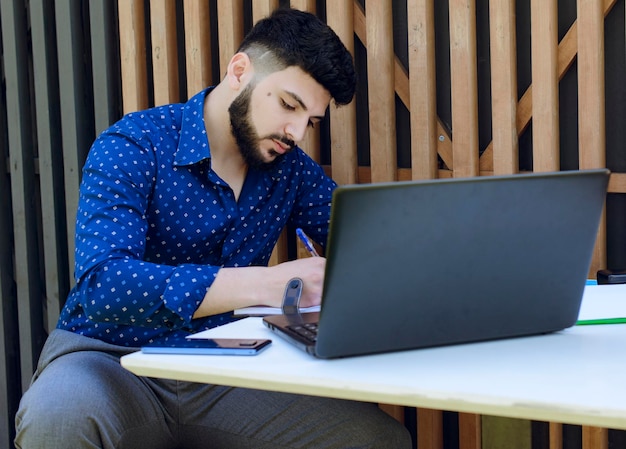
[(592, 137), (304, 5), (133, 54), (555, 436), (23, 186), (9, 351), (381, 91), (423, 88), (340, 17), (429, 429), (503, 86), (591, 85), (164, 51), (10, 382), (262, 8), (545, 100), (230, 30), (499, 432), (591, 104), (76, 107), (311, 143), (104, 61), (395, 411), (464, 87), (197, 45), (280, 252), (49, 140), (595, 438), (470, 435)]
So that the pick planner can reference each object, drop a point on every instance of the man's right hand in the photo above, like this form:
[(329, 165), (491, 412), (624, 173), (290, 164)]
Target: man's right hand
[(235, 288)]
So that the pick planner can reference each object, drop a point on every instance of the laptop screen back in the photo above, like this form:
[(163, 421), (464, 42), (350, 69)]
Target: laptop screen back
[(428, 263)]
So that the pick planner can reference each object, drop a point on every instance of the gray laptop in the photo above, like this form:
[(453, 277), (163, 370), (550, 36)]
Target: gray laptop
[(428, 263)]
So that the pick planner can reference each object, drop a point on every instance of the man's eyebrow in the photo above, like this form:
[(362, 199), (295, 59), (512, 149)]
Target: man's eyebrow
[(297, 98)]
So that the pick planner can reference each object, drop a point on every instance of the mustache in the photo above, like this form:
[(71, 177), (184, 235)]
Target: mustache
[(284, 139)]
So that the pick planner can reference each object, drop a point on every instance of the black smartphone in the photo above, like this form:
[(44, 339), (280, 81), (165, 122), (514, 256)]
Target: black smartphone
[(209, 346)]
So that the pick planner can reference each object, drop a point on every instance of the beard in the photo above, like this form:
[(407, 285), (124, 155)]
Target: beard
[(246, 136)]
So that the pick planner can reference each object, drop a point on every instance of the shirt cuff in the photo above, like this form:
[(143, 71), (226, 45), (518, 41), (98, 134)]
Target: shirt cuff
[(187, 287)]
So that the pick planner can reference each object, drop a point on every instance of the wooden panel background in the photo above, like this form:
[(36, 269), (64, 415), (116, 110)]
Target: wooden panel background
[(447, 89)]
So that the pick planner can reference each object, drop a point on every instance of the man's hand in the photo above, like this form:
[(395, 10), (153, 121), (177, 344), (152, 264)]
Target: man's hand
[(310, 270), (235, 288)]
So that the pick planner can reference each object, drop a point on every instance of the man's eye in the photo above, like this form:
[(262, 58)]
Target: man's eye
[(287, 105), (311, 124)]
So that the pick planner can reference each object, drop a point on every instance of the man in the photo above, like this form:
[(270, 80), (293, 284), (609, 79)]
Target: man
[(180, 207)]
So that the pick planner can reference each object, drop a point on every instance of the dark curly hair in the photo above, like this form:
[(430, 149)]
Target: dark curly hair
[(289, 37)]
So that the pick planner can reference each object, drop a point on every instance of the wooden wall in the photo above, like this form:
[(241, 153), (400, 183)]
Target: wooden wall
[(449, 88)]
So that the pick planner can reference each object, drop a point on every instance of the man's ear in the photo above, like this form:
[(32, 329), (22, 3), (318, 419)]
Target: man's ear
[(239, 70)]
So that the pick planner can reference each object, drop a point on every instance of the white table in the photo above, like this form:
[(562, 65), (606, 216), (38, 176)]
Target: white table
[(575, 376)]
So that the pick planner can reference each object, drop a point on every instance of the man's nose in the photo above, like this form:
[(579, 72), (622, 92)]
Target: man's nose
[(296, 129)]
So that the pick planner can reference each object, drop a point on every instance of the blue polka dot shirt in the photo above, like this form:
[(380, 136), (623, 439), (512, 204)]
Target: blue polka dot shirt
[(155, 224)]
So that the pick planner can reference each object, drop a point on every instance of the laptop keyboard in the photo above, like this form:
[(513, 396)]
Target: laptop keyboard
[(306, 330)]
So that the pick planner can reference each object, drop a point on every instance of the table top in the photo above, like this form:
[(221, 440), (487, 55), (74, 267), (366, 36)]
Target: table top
[(573, 376)]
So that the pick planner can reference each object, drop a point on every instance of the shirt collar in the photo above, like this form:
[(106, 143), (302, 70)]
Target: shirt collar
[(193, 145)]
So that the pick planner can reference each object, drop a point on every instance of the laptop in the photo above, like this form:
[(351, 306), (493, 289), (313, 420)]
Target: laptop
[(420, 264)]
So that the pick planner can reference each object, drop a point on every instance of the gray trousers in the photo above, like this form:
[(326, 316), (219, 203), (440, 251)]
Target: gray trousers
[(81, 397)]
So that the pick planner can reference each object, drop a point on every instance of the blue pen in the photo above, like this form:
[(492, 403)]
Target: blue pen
[(306, 241)]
